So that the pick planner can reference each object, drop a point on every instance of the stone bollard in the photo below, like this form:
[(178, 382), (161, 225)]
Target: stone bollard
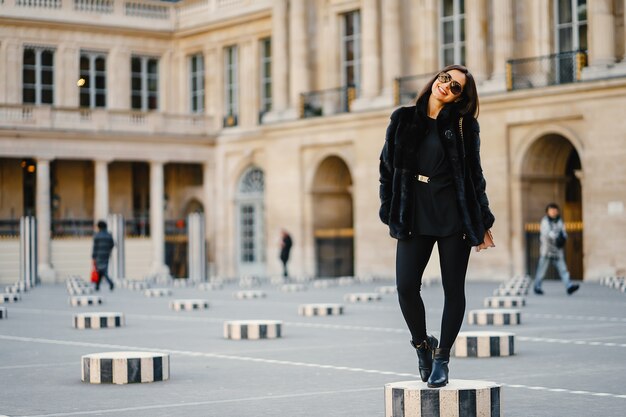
[(98, 320), (188, 305), (504, 302), (79, 290), (10, 298), (310, 310), (135, 285), (362, 297), (510, 292), (487, 344), (496, 317), (293, 287), (460, 398), (387, 289), (324, 283), (3, 313), (125, 367), (253, 329), (250, 294), (85, 300), (157, 292)]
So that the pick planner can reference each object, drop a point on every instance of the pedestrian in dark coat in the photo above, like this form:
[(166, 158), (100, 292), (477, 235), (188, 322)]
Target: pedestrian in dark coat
[(102, 247), (432, 190), (285, 249)]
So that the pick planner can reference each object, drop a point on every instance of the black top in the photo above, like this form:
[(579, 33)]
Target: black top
[(102, 247), (437, 212)]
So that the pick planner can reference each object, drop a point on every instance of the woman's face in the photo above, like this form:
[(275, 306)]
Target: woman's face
[(441, 90)]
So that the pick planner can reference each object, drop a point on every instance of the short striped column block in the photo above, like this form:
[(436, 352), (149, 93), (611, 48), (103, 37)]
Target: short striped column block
[(344, 281), (460, 398), (188, 305), (324, 283), (14, 289), (135, 285), (363, 297), (3, 312), (79, 290), (210, 286), (293, 287), (98, 320), (253, 329), (496, 317), (510, 292), (125, 367), (487, 344), (182, 283), (85, 300), (387, 289), (250, 294), (310, 310), (157, 292), (504, 302), (10, 298)]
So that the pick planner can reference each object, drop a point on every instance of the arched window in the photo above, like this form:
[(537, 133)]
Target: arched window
[(250, 222)]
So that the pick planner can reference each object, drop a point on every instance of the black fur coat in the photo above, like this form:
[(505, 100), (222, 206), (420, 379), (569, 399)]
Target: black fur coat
[(398, 170)]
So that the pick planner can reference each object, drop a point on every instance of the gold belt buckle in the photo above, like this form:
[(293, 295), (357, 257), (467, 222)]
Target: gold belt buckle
[(423, 178)]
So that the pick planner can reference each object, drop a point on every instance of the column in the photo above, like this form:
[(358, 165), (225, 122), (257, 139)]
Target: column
[(208, 170), (427, 24), (476, 38), (371, 51), (157, 226), (46, 273), (212, 87), (14, 58), (391, 44), (249, 83), (502, 37), (298, 52), (280, 60), (118, 79), (601, 33), (101, 206)]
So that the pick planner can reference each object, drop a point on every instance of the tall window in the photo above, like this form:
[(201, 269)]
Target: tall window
[(250, 219), (93, 76), (452, 32), (231, 88), (144, 83), (196, 84), (351, 49), (38, 76), (571, 25), (266, 75)]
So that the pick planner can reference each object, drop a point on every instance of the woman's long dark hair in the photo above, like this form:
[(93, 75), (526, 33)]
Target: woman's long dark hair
[(468, 103)]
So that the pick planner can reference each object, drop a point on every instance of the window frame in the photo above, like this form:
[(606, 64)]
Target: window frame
[(145, 77), (196, 95), (458, 46), (90, 83), (38, 69), (356, 38), (265, 77), (574, 25), (231, 82)]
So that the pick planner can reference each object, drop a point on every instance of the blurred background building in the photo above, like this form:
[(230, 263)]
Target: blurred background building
[(271, 114)]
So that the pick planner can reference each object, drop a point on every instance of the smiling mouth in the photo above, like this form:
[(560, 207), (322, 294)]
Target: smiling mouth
[(444, 92)]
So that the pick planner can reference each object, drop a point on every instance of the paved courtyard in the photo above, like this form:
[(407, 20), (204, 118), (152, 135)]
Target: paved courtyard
[(570, 354)]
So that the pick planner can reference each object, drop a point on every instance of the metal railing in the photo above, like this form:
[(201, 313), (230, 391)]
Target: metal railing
[(406, 89), (543, 71), (327, 102), (10, 227), (72, 227), (175, 227)]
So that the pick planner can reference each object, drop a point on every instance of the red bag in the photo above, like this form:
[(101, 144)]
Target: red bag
[(94, 275)]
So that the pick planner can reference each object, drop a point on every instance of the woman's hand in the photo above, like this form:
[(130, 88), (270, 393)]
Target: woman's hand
[(487, 242)]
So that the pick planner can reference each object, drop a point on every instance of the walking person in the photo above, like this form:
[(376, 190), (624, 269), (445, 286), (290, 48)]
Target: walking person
[(552, 237), (102, 248), (432, 189), (285, 248)]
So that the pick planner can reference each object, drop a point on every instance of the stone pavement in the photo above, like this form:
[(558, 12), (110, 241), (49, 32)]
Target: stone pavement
[(570, 354)]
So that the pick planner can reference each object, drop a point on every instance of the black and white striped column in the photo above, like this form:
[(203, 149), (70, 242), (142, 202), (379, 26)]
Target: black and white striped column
[(157, 292), (10, 298), (495, 317), (460, 398), (76, 290), (325, 283), (210, 286), (293, 287), (98, 320), (310, 310), (487, 344), (188, 305), (387, 289), (135, 285), (363, 297), (3, 312), (125, 367), (85, 300), (510, 292), (249, 294), (253, 329), (504, 302)]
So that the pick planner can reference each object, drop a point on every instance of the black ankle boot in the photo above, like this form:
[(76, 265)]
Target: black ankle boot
[(425, 356), (439, 375)]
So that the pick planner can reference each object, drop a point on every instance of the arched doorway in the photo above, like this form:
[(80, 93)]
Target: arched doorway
[(333, 219), (250, 227), (551, 172)]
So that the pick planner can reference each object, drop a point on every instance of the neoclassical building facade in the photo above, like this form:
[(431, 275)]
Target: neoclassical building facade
[(269, 115)]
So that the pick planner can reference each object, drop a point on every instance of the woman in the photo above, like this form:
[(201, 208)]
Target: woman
[(432, 189)]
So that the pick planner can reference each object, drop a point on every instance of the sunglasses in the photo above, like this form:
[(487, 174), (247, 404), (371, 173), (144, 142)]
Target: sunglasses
[(455, 87)]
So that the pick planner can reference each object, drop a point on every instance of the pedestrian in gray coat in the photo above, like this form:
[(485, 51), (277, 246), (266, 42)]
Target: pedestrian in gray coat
[(102, 248), (552, 242)]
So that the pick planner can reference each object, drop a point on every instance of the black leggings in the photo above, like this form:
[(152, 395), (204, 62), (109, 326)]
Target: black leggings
[(411, 258)]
